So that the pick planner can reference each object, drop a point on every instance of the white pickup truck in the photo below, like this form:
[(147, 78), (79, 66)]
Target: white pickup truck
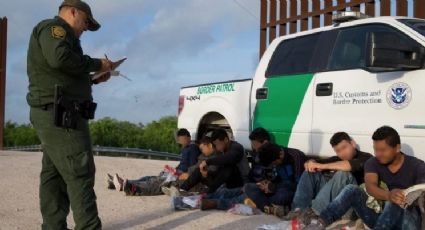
[(353, 76)]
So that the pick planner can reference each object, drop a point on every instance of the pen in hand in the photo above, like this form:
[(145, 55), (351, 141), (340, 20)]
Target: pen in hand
[(114, 72), (106, 57)]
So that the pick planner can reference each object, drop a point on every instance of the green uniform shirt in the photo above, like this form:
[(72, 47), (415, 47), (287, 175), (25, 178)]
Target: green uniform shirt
[(55, 57)]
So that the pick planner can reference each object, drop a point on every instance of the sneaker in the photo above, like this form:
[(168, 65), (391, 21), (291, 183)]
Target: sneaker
[(276, 210), (166, 190), (360, 225), (294, 214), (315, 225), (207, 204), (177, 204), (174, 191), (110, 181), (118, 182), (307, 215)]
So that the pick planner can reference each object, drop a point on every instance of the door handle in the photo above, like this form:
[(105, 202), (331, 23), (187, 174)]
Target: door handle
[(324, 89), (261, 93)]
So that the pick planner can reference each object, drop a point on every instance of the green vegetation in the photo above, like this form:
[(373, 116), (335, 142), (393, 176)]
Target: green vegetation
[(19, 135), (157, 135)]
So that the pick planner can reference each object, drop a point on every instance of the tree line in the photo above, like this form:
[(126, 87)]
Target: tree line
[(156, 135)]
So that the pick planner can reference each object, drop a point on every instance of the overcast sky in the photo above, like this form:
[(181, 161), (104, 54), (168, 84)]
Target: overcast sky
[(168, 43)]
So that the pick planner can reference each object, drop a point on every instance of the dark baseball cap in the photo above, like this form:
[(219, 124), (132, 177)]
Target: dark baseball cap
[(93, 24)]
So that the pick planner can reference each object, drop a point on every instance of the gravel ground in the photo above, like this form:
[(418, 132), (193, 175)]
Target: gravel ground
[(19, 208)]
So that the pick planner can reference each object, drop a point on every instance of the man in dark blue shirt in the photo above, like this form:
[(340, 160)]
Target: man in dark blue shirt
[(190, 151), (151, 185), (278, 184)]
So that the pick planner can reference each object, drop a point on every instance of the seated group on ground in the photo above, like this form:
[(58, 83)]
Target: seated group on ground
[(283, 182)]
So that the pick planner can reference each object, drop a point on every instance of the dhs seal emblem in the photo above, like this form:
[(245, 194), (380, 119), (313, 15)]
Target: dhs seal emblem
[(399, 95)]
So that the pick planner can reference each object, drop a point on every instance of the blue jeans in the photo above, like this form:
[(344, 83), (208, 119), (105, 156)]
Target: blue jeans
[(315, 190), (142, 179), (392, 217), (226, 198), (282, 196), (145, 186)]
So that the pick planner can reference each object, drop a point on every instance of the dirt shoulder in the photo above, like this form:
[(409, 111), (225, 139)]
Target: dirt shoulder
[(19, 207)]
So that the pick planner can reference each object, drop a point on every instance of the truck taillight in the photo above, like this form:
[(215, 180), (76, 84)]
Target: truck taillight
[(181, 104)]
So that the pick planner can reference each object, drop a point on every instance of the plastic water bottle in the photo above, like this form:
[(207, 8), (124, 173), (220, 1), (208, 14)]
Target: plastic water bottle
[(296, 224)]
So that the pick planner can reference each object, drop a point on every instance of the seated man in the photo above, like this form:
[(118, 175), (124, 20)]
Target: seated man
[(232, 163), (212, 178), (324, 179), (390, 166), (278, 184), (189, 153), (258, 137), (224, 198), (151, 185)]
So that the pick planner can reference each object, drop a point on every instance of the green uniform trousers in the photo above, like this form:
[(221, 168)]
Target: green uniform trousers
[(67, 174)]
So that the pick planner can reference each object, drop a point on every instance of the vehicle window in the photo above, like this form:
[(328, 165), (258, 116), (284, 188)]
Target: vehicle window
[(293, 56), (350, 48), (418, 25)]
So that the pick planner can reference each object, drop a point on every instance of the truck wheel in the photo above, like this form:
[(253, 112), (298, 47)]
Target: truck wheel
[(211, 122)]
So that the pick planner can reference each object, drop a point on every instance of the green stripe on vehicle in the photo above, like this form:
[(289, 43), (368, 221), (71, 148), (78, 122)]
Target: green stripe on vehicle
[(279, 112)]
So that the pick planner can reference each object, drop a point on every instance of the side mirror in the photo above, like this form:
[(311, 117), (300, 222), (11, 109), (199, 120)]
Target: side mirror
[(385, 52)]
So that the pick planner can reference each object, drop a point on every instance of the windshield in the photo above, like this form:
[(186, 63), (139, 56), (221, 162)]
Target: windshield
[(416, 24)]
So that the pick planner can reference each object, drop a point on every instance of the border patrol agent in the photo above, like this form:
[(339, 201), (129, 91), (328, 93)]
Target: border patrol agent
[(56, 60)]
